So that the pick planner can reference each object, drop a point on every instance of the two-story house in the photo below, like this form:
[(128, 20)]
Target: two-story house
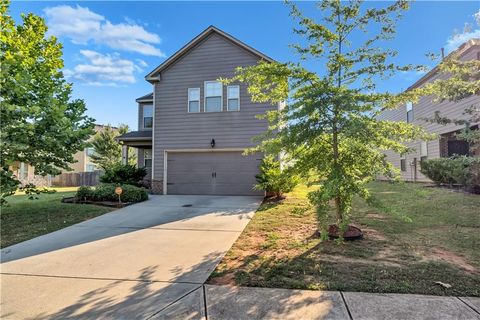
[(192, 129), (447, 143)]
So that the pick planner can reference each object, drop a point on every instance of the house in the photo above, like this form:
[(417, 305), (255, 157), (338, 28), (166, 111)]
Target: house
[(447, 144), (83, 158), (25, 172), (192, 129)]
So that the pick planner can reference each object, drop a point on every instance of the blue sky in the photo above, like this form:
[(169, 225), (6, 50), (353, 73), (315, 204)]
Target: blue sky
[(110, 46)]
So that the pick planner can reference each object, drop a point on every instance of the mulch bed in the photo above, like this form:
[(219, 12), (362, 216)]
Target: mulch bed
[(112, 204)]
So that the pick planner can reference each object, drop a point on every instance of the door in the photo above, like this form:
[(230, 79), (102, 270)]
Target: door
[(212, 173)]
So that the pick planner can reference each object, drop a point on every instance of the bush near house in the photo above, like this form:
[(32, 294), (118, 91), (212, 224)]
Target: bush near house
[(273, 179), (460, 170), (124, 174), (106, 192)]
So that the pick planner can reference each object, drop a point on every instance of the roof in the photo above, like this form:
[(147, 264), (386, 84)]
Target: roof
[(146, 98), (459, 51), (136, 135), (207, 32)]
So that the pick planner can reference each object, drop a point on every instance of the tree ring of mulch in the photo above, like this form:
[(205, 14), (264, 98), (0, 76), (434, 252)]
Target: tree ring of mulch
[(352, 233)]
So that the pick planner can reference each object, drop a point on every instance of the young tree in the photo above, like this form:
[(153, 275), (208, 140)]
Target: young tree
[(329, 126), (108, 151), (41, 125)]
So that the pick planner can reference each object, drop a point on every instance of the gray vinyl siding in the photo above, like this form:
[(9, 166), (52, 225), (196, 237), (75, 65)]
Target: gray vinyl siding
[(426, 108), (175, 128)]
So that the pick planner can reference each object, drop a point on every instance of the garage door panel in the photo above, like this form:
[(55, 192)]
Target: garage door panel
[(191, 173)]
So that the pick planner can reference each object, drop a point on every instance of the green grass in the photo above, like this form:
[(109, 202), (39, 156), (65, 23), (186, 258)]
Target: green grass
[(23, 219), (428, 235)]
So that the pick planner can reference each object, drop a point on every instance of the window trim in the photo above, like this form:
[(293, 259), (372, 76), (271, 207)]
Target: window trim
[(145, 158), (205, 95), (199, 99), (238, 98), (143, 116)]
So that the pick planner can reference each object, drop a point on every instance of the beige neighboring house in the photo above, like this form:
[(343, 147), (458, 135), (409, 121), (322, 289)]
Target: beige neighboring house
[(447, 144), (84, 161), (25, 173)]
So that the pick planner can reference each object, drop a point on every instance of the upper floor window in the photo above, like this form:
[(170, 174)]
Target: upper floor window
[(147, 116), (409, 112), (194, 100), (233, 98), (147, 158), (90, 167), (90, 151), (213, 96)]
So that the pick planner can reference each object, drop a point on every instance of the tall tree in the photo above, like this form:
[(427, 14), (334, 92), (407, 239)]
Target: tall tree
[(108, 152), (329, 126), (41, 125)]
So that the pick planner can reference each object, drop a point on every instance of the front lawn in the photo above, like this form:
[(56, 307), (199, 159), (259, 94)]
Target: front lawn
[(279, 247), (24, 219)]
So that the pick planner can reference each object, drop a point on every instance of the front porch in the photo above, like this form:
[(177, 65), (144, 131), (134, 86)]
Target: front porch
[(142, 141)]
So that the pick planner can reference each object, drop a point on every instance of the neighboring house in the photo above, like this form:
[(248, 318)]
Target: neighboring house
[(25, 173), (192, 129), (83, 158), (447, 144)]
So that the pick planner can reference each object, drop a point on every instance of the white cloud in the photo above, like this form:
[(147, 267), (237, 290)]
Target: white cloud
[(82, 25), (468, 33), (103, 69)]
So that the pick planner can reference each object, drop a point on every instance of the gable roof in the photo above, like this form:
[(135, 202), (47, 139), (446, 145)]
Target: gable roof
[(146, 98), (460, 51), (207, 32)]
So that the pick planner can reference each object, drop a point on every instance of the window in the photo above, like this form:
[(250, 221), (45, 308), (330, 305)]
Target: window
[(409, 112), (147, 116), (90, 167), (403, 163), (90, 151), (213, 96), (193, 99), (423, 149), (147, 158), (233, 98), (23, 170)]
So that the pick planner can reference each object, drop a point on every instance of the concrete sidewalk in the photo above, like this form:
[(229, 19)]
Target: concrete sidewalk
[(224, 302)]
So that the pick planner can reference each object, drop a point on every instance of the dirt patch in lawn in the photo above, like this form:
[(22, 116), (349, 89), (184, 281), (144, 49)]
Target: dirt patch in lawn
[(450, 257), (280, 247)]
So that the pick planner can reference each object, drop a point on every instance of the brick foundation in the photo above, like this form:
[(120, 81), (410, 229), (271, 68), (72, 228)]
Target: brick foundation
[(156, 186)]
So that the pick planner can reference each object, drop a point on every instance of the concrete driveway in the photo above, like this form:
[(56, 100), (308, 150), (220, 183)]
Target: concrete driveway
[(132, 263)]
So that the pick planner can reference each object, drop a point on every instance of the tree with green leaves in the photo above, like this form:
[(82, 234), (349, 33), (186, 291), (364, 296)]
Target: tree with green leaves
[(108, 152), (41, 124), (329, 127)]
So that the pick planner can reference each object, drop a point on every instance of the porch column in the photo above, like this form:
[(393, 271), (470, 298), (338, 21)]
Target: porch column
[(124, 154)]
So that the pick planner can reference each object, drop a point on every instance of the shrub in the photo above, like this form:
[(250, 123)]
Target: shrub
[(461, 170), (124, 174), (106, 192), (84, 192), (273, 179)]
